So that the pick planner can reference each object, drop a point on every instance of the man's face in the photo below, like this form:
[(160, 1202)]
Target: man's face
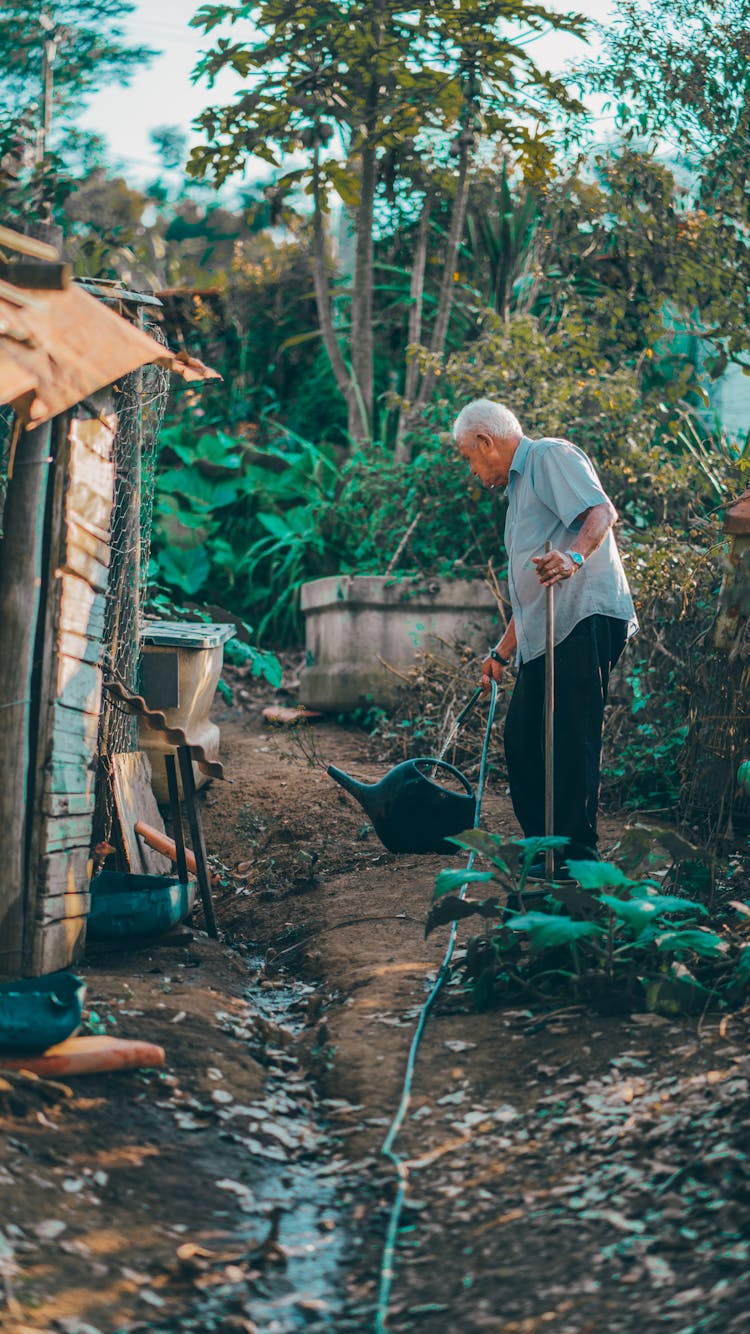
[(488, 457)]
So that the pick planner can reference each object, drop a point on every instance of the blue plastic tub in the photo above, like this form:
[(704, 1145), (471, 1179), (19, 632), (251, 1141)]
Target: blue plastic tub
[(38, 1012), (124, 906)]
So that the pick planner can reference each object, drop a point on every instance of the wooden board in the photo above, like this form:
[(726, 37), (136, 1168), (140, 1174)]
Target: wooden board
[(68, 803), (76, 733), (81, 607), (66, 755), (79, 646), (68, 831), (62, 906), (58, 944), (69, 774), (65, 873), (79, 685), (135, 800), (88, 557)]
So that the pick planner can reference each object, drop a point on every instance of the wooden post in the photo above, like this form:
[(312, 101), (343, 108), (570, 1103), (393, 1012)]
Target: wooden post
[(196, 838), (21, 581), (174, 806)]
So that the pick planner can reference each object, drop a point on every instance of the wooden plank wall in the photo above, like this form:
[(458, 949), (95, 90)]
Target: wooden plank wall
[(65, 801)]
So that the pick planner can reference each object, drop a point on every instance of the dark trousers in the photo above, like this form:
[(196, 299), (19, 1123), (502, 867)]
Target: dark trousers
[(583, 663)]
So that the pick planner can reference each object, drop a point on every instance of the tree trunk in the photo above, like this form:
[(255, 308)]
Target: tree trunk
[(323, 290), (21, 558), (447, 287), (362, 401), (416, 298)]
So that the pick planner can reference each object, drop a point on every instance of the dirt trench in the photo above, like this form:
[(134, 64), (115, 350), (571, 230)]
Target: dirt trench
[(570, 1173)]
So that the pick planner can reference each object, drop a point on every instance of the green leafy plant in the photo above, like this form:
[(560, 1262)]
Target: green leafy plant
[(610, 936)]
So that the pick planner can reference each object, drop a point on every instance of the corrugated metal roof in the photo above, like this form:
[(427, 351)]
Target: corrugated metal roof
[(59, 347)]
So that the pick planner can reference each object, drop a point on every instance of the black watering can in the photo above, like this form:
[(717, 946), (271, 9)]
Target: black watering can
[(409, 810)]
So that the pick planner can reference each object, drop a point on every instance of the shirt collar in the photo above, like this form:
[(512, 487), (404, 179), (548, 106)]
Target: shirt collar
[(519, 458)]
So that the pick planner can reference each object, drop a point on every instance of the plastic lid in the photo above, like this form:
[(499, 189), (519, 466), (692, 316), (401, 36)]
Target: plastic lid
[(186, 634)]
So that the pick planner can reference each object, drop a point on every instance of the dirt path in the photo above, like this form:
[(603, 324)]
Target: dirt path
[(572, 1173)]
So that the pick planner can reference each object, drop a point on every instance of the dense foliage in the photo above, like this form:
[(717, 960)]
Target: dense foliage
[(54, 56), (415, 243), (619, 937)]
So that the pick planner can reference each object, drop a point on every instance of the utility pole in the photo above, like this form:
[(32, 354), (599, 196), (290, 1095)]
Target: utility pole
[(49, 52)]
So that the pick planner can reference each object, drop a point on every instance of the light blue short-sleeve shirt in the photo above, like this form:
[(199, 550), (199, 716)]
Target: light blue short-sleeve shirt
[(551, 483)]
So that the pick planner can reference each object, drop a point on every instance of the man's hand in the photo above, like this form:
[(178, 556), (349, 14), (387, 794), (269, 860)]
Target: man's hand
[(553, 567), (491, 671)]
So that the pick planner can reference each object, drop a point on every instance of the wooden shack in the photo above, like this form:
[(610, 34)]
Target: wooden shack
[(59, 350)]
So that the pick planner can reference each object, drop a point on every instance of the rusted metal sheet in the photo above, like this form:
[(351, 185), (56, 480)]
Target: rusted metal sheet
[(158, 723), (58, 348)]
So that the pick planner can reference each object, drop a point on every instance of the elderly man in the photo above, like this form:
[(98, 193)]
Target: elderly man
[(553, 494)]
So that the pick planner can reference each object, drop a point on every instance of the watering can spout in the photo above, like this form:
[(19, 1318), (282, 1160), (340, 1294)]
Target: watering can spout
[(359, 790)]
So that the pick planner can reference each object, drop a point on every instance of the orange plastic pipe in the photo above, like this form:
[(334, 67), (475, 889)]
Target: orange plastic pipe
[(166, 846), (88, 1056)]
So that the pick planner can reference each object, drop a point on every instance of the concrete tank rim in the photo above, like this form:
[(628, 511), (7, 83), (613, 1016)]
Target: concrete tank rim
[(375, 590)]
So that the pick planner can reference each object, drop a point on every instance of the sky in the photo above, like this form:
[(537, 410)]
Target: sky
[(163, 93)]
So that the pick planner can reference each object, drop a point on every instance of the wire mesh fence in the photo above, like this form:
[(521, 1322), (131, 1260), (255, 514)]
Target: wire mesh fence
[(140, 402)]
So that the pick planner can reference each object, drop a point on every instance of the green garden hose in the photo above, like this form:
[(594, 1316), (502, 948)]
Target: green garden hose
[(400, 1164)]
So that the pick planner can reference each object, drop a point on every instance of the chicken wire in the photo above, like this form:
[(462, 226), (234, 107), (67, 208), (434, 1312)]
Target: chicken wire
[(140, 402)]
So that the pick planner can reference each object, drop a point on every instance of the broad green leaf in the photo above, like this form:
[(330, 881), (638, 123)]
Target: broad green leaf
[(450, 880), (454, 909), (547, 932), (490, 846), (637, 913), (598, 875), (541, 842), (186, 570), (705, 943)]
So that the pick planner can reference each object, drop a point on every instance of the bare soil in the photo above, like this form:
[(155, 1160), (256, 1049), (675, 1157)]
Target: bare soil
[(569, 1173)]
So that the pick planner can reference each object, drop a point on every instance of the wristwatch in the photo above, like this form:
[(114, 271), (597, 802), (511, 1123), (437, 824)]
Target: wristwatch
[(576, 557), (497, 657)]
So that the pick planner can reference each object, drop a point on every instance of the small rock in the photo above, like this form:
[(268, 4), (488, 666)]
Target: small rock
[(48, 1229)]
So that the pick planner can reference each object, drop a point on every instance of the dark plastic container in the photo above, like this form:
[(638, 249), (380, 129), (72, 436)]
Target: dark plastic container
[(124, 906), (38, 1012)]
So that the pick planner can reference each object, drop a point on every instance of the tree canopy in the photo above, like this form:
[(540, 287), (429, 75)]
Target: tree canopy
[(370, 99), (84, 44)]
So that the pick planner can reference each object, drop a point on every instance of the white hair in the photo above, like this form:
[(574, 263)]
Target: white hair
[(484, 415)]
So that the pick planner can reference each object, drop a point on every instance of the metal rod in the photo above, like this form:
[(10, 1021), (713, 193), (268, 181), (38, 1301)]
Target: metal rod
[(174, 805), (549, 723), (196, 837)]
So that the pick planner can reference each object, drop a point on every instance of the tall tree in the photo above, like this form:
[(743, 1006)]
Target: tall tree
[(55, 54), (367, 98), (678, 72)]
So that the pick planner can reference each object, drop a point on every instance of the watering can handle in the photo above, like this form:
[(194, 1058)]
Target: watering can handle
[(443, 764)]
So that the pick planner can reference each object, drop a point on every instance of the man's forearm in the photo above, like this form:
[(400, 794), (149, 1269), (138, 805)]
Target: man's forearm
[(506, 646), (594, 529)]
